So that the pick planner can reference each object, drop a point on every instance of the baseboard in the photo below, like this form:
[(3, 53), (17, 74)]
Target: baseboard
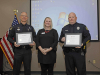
[(55, 72), (93, 72)]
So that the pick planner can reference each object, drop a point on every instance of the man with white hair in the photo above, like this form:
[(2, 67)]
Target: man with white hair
[(22, 52), (75, 56)]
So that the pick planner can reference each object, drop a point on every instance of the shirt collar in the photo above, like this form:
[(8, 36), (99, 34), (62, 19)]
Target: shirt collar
[(23, 25), (73, 24)]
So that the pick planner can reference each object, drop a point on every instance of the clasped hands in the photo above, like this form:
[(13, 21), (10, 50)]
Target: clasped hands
[(45, 50)]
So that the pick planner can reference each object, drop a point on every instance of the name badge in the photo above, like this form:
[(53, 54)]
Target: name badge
[(43, 33), (66, 30), (18, 29)]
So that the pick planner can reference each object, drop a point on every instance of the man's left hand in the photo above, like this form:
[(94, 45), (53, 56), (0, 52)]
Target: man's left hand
[(79, 47), (32, 44)]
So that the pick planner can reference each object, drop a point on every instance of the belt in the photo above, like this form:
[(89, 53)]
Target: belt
[(23, 47), (75, 50), (72, 50)]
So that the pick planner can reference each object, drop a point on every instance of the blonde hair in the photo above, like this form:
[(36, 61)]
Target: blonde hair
[(44, 22)]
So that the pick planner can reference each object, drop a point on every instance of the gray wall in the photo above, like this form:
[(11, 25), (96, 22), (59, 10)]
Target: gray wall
[(6, 18)]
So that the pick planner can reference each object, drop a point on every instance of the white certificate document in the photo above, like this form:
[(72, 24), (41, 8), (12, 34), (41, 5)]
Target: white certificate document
[(24, 38), (73, 39)]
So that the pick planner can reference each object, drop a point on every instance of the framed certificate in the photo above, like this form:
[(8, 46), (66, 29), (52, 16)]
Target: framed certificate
[(24, 38), (73, 40)]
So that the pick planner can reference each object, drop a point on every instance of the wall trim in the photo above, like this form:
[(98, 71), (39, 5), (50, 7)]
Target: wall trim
[(55, 72)]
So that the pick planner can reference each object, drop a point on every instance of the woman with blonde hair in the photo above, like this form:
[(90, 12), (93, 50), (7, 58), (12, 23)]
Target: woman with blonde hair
[(47, 39)]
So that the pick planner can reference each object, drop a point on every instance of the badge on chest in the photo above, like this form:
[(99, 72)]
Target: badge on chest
[(29, 29), (78, 28)]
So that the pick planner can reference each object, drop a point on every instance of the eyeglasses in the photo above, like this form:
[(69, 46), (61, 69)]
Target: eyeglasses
[(24, 15)]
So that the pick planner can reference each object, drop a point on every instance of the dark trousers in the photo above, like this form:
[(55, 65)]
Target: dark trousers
[(45, 67), (22, 55), (75, 60)]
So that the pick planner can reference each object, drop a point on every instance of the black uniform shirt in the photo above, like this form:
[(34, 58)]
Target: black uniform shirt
[(76, 28), (18, 29)]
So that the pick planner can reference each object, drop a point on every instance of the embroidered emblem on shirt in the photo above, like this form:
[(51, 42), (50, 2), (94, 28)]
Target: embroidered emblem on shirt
[(11, 28), (86, 28), (18, 29), (78, 28), (29, 28)]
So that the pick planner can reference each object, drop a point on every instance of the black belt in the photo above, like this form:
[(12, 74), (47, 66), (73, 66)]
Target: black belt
[(75, 49), (72, 50), (23, 47)]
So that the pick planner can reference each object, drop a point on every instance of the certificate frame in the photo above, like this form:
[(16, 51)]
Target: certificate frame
[(73, 43), (24, 43)]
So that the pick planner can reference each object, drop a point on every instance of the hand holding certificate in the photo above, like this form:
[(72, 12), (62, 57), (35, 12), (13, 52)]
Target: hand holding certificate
[(73, 40), (24, 38)]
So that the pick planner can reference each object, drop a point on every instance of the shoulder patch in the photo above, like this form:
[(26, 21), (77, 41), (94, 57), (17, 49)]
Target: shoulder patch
[(10, 28), (86, 28)]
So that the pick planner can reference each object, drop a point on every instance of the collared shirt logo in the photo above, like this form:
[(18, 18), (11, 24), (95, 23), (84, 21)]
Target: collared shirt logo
[(29, 28)]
